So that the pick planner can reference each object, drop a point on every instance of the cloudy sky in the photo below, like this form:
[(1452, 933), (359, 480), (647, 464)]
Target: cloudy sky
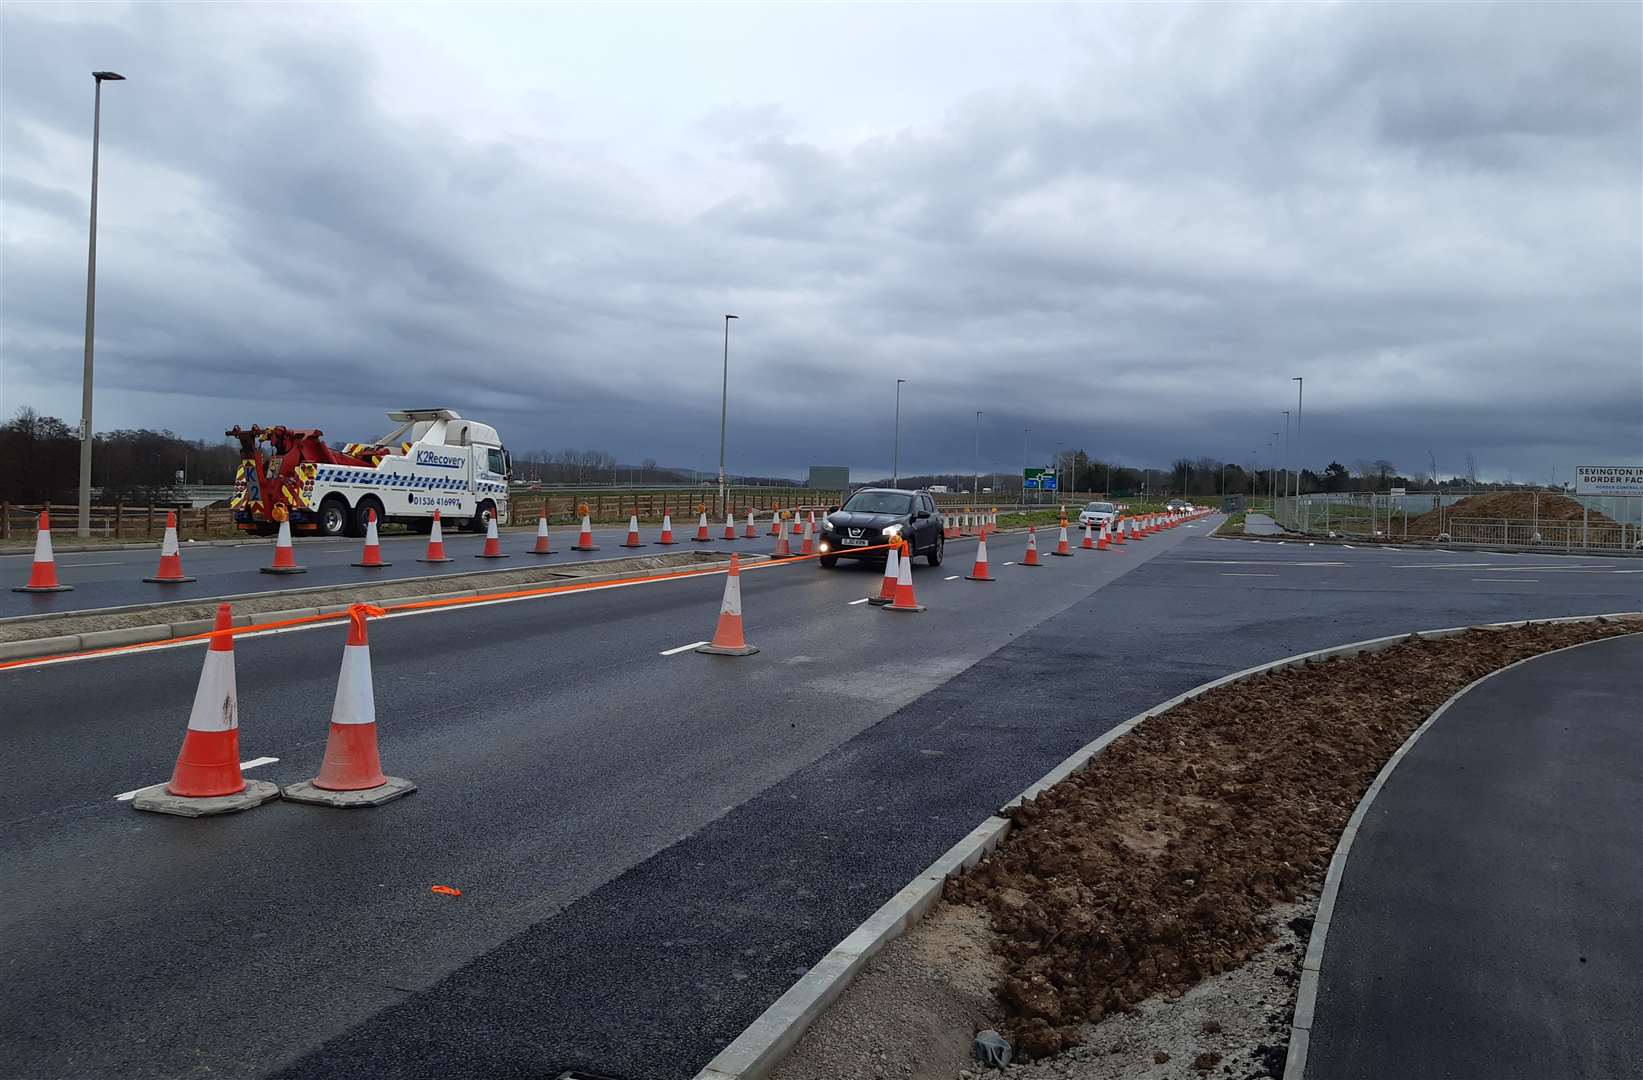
[(1123, 227)]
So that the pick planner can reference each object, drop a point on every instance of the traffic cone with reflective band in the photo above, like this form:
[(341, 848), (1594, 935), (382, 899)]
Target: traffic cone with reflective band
[(43, 574), (1031, 558), (1061, 546), (493, 542), (730, 525), (701, 536), (436, 543), (351, 772), (775, 520), (1138, 530), (980, 572), (727, 636), (667, 531), (782, 549), (544, 546), (171, 559), (892, 571), (751, 532), (585, 542), (285, 559), (373, 547), (807, 546), (633, 532), (206, 779), (1088, 543), (1101, 541), (1118, 533), (904, 600)]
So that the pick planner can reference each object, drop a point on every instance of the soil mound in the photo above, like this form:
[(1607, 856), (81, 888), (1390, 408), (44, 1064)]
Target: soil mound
[(1508, 506)]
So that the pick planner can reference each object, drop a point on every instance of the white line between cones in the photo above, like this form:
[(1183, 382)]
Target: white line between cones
[(1506, 579), (78, 565), (863, 600), (127, 796), (1224, 574), (953, 578), (681, 648), (1010, 563)]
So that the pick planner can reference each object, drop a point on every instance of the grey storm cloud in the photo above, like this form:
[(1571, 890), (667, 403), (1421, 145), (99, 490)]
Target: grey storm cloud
[(1430, 211)]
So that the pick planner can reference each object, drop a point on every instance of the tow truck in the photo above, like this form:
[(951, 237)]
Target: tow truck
[(434, 460)]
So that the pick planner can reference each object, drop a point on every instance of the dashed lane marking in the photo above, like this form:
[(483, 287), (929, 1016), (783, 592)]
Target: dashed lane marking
[(953, 578), (863, 600), (127, 796), (682, 648), (78, 565), (1514, 579), (1010, 563), (1234, 574)]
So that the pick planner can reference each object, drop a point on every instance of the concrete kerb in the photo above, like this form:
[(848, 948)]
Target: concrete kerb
[(141, 635), (1306, 995), (754, 1054), (1364, 543)]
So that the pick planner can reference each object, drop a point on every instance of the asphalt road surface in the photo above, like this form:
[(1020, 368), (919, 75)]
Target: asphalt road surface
[(1487, 920), (651, 847), (115, 578)]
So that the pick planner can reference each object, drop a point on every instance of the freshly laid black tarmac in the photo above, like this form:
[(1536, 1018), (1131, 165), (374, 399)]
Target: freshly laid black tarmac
[(1487, 924), (650, 848)]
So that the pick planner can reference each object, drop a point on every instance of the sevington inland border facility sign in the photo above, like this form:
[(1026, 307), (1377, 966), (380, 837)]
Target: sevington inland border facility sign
[(1609, 480)]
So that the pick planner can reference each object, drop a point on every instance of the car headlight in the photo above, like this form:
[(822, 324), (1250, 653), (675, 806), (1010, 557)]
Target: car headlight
[(892, 530)]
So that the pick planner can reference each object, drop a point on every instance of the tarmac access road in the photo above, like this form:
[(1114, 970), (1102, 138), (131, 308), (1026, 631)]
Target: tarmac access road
[(115, 578), (651, 847), (1486, 924)]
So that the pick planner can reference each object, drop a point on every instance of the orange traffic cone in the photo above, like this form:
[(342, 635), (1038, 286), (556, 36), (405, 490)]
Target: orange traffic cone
[(171, 559), (904, 586), (585, 542), (727, 636), (807, 546), (1118, 533), (782, 549), (43, 575), (1088, 543), (493, 542), (980, 572), (373, 547), (351, 773), (436, 543), (887, 585), (775, 519), (285, 559), (1101, 542), (633, 532), (206, 779), (667, 530), (701, 536), (544, 545), (1031, 558), (730, 525), (751, 532), (1061, 547)]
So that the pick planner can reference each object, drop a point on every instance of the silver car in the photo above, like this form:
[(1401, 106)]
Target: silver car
[(1097, 514)]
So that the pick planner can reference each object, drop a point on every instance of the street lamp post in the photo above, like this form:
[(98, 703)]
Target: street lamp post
[(1272, 481), (1024, 432), (895, 454), (975, 486), (84, 529), (1300, 387), (1286, 453), (724, 400)]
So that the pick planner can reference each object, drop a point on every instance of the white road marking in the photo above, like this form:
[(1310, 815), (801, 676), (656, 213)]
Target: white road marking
[(1258, 562), (1505, 579), (953, 578), (1225, 574), (127, 796), (78, 565), (1010, 563), (1349, 547), (863, 600), (682, 648)]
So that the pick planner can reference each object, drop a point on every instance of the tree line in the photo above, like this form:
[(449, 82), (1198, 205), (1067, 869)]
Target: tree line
[(42, 456)]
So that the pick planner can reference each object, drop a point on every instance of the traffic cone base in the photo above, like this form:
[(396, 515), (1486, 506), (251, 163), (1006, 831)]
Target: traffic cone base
[(157, 800), (391, 788)]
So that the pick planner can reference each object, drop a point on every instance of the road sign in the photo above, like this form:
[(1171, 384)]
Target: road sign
[(1399, 491), (1608, 480), (1030, 478), (1048, 480)]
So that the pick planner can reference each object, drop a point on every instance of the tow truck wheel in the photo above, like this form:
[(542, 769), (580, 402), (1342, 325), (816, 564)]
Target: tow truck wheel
[(483, 515), (362, 511), (333, 516)]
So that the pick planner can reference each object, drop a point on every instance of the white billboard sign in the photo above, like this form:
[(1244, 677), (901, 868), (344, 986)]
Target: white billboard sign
[(1609, 480)]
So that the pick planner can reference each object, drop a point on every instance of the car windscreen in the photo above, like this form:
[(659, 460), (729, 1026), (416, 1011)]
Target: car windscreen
[(1100, 508), (880, 502)]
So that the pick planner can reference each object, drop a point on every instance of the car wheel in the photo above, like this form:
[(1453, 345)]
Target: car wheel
[(935, 553), (829, 561), (333, 516)]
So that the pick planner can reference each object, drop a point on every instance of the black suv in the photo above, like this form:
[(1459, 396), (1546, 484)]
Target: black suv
[(872, 515)]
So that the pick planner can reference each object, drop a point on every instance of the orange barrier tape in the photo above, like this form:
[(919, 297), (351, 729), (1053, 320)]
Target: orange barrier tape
[(375, 612)]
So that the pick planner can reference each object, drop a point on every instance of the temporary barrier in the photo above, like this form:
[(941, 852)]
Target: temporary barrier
[(585, 542), (750, 532), (887, 585), (1031, 558), (904, 600), (727, 636), (372, 556), (436, 543), (493, 541), (206, 779), (1062, 548), (171, 559), (782, 551), (633, 540), (285, 559), (351, 772), (544, 545), (1088, 543), (666, 538), (807, 545), (730, 525), (701, 536), (979, 573)]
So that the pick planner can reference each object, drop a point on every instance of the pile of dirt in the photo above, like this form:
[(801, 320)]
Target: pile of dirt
[(1508, 506), (1153, 868)]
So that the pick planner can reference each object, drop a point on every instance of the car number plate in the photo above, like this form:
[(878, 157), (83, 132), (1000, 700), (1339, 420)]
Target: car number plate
[(855, 541)]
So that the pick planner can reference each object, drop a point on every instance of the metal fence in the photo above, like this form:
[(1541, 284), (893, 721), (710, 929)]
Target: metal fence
[(1607, 522)]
